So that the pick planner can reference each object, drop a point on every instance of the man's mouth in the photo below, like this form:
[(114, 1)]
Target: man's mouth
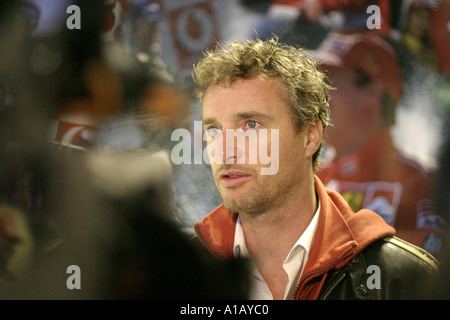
[(233, 178)]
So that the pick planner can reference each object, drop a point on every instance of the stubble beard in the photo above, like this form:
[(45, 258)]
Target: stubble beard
[(261, 198), (250, 202)]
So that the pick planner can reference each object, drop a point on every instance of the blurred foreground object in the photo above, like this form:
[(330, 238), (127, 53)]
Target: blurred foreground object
[(105, 214), (117, 230)]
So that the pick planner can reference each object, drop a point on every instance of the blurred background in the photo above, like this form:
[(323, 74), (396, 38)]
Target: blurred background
[(90, 94)]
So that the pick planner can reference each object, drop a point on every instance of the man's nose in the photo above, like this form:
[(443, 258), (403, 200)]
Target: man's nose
[(229, 149)]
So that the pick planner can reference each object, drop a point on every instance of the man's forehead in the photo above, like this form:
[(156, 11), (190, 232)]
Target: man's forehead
[(244, 92)]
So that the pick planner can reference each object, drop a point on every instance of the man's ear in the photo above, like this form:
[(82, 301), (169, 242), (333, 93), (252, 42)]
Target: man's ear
[(314, 138)]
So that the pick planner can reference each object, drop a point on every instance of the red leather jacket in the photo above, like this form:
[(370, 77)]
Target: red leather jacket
[(341, 234)]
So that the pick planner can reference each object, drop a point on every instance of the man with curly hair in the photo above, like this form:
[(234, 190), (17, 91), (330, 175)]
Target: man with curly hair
[(303, 240)]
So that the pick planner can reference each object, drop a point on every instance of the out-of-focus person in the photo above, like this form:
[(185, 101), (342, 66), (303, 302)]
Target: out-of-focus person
[(415, 31), (363, 163)]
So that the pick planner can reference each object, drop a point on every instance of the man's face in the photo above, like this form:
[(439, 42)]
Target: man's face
[(253, 105)]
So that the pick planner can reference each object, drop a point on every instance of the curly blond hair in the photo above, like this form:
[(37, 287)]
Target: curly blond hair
[(307, 93)]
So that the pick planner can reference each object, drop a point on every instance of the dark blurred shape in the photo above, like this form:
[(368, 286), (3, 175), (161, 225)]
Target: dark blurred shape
[(108, 214), (256, 5), (440, 287), (116, 229), (10, 237)]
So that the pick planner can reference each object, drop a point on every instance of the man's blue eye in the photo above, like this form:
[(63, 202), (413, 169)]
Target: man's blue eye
[(252, 124), (212, 131)]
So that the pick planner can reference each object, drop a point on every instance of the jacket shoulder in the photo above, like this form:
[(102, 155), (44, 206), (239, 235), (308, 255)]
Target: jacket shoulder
[(399, 253), (389, 268), (405, 270)]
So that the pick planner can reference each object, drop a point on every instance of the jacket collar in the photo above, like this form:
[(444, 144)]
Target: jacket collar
[(341, 234), (216, 232)]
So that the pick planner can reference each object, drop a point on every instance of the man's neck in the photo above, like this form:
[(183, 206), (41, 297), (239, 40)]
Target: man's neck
[(285, 224), (270, 235)]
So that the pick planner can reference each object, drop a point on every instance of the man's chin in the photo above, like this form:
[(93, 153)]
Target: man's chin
[(242, 205)]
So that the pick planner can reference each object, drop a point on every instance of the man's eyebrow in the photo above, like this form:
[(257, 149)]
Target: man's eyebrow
[(207, 121), (253, 115), (240, 115)]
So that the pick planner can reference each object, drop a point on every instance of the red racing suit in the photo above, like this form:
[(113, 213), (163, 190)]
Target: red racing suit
[(380, 178)]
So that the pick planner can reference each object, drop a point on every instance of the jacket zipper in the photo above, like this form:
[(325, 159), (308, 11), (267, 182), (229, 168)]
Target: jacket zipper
[(334, 285), (206, 244), (320, 271)]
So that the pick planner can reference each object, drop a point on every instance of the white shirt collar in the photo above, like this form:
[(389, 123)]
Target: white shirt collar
[(293, 265)]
